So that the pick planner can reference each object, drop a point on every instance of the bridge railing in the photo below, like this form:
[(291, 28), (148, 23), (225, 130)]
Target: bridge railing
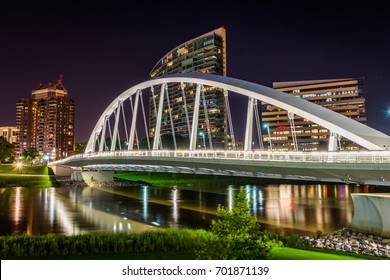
[(342, 157)]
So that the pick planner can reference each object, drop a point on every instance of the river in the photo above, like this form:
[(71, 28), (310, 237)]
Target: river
[(284, 209)]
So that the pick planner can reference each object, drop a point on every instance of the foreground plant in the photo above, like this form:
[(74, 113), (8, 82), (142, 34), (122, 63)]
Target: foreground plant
[(236, 234)]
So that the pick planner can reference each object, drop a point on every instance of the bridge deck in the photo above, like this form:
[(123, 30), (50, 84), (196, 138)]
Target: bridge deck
[(361, 168)]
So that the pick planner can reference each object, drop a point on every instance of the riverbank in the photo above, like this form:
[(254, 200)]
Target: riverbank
[(26, 170), (344, 240), (166, 244), (347, 240), (28, 176), (355, 243), (193, 182)]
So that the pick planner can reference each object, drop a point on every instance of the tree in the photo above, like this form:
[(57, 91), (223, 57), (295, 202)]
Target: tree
[(80, 147), (236, 234), (6, 149), (31, 153)]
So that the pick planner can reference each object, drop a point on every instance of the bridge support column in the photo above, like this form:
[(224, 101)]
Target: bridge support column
[(115, 134), (102, 137), (134, 121), (249, 125), (230, 121), (195, 119), (183, 94), (333, 139), (293, 131), (95, 142), (158, 119)]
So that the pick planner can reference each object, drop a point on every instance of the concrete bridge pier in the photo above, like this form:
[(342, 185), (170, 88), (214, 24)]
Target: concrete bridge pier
[(77, 174), (92, 176), (61, 170), (371, 213)]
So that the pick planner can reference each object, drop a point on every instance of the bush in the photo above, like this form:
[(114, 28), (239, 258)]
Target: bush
[(58, 245), (236, 234)]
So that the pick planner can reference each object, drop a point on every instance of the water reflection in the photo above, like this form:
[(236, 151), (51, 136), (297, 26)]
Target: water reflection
[(145, 202), (17, 204), (303, 208), (281, 208), (175, 207)]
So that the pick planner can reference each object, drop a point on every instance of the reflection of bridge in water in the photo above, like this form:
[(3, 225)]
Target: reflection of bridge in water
[(73, 205), (105, 152), (281, 208)]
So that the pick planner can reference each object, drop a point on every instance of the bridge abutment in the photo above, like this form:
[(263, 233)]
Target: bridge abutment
[(371, 213), (93, 176), (61, 170)]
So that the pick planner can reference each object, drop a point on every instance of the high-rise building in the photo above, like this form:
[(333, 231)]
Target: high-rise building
[(10, 133), (344, 96), (204, 54), (46, 121)]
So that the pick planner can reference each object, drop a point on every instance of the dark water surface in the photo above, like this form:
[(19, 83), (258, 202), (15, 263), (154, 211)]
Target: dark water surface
[(284, 209)]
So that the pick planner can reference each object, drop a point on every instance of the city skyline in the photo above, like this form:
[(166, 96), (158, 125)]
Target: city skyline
[(102, 51)]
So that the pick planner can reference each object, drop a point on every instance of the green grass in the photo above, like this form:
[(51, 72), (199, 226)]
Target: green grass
[(166, 244), (167, 255), (286, 253), (43, 181), (28, 176), (277, 253), (32, 170), (148, 245), (188, 181)]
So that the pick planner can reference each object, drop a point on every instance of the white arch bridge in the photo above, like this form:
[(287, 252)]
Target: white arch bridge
[(114, 142)]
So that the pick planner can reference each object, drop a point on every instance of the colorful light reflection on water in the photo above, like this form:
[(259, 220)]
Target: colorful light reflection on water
[(280, 208)]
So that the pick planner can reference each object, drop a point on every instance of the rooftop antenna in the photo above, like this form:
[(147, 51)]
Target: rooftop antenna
[(61, 78)]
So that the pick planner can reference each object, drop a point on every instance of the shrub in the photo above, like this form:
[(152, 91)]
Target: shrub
[(236, 234), (57, 245)]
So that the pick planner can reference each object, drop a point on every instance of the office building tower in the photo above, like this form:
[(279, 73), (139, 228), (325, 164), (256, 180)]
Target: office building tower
[(344, 96), (10, 133), (204, 54)]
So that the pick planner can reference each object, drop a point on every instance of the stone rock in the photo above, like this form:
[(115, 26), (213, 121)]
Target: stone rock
[(350, 241)]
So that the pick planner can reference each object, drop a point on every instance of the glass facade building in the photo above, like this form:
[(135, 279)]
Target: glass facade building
[(344, 96), (46, 121), (204, 54)]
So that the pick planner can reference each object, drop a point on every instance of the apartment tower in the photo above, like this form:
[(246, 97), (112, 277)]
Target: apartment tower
[(204, 54), (46, 121)]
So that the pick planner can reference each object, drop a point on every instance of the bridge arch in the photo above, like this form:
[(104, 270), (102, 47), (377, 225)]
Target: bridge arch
[(359, 133)]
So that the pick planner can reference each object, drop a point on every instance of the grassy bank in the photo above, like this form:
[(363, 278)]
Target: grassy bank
[(84, 246), (31, 170), (166, 244), (286, 253), (189, 181), (28, 176)]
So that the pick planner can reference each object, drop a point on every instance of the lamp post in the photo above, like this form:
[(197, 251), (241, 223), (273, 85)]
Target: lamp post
[(266, 126), (204, 140)]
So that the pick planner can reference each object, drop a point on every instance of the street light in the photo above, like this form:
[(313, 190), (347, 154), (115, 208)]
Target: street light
[(19, 165), (266, 126), (204, 140)]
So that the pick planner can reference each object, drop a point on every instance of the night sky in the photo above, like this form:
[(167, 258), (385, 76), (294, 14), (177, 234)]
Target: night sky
[(101, 50)]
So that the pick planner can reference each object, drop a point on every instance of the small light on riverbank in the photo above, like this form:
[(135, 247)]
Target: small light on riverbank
[(19, 165)]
